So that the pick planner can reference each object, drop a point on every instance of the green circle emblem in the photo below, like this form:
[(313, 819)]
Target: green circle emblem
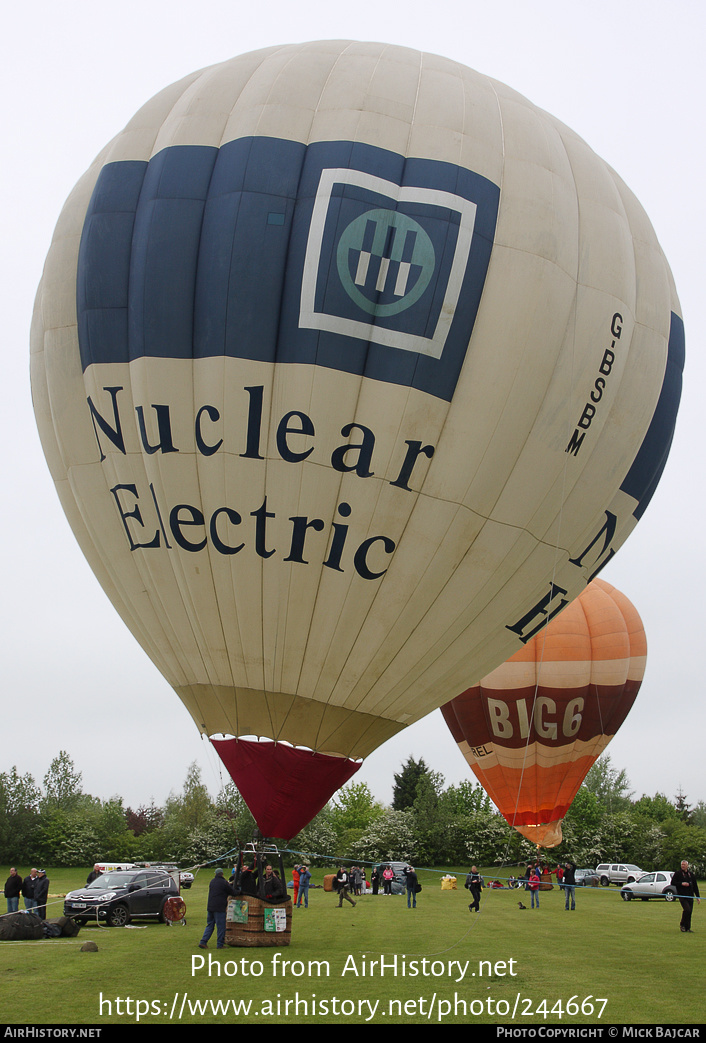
[(403, 250)]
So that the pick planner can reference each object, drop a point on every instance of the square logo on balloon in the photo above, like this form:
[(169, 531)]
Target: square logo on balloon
[(385, 263), (393, 260)]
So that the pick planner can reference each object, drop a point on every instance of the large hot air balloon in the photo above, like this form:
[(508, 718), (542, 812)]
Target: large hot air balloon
[(351, 367), (533, 727)]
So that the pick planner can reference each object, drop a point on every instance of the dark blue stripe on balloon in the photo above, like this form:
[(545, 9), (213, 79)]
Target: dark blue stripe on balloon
[(104, 263), (646, 471), (200, 253)]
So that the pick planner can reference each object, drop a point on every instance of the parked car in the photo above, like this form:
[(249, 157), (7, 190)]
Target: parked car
[(120, 897), (651, 885), (618, 873), (587, 878)]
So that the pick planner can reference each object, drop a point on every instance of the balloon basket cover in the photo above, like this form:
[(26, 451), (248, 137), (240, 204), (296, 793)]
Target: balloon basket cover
[(253, 923)]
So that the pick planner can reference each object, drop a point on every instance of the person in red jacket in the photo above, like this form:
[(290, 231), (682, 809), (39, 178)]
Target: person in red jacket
[(533, 885)]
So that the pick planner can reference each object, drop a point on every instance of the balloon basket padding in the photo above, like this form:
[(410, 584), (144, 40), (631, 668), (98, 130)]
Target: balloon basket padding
[(252, 934)]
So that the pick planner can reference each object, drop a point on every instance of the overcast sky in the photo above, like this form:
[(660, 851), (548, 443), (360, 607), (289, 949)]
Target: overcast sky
[(627, 76)]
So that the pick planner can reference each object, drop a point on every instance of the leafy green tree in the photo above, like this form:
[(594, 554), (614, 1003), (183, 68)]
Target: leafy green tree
[(215, 837), (18, 792), (437, 833), (20, 799), (683, 841), (62, 784), (117, 841), (318, 840), (391, 837), (434, 825), (195, 802), (611, 786), (683, 809), (352, 810), (585, 814), (490, 841), (582, 829), (649, 846), (654, 809), (185, 814), (230, 803), (413, 772), (698, 815), (620, 837), (467, 798), (353, 807)]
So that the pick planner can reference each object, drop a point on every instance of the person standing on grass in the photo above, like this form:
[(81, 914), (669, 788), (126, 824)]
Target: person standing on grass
[(41, 893), (93, 875), (533, 885), (412, 885), (13, 890), (342, 886), (474, 883), (304, 880), (569, 885), (28, 885), (687, 890), (219, 891)]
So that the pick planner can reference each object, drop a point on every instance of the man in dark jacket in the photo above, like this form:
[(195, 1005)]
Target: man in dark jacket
[(219, 891), (13, 890), (93, 875), (273, 889), (474, 883), (687, 890), (28, 885), (411, 886), (569, 885), (342, 885), (41, 893)]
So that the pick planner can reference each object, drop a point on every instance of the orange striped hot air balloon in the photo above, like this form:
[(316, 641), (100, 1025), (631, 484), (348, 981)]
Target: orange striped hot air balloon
[(532, 728)]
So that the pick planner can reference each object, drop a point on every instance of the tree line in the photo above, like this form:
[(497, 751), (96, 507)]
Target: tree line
[(426, 823)]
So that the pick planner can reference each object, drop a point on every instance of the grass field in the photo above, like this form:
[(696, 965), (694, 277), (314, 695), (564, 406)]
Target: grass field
[(609, 962)]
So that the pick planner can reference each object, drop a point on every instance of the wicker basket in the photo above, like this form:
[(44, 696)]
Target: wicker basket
[(250, 928)]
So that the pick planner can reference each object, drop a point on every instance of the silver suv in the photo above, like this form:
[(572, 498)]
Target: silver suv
[(618, 873)]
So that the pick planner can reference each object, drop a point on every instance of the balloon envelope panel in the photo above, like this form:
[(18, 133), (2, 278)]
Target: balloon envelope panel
[(532, 728), (351, 366)]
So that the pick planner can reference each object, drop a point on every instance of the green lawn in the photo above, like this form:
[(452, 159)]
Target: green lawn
[(452, 966)]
